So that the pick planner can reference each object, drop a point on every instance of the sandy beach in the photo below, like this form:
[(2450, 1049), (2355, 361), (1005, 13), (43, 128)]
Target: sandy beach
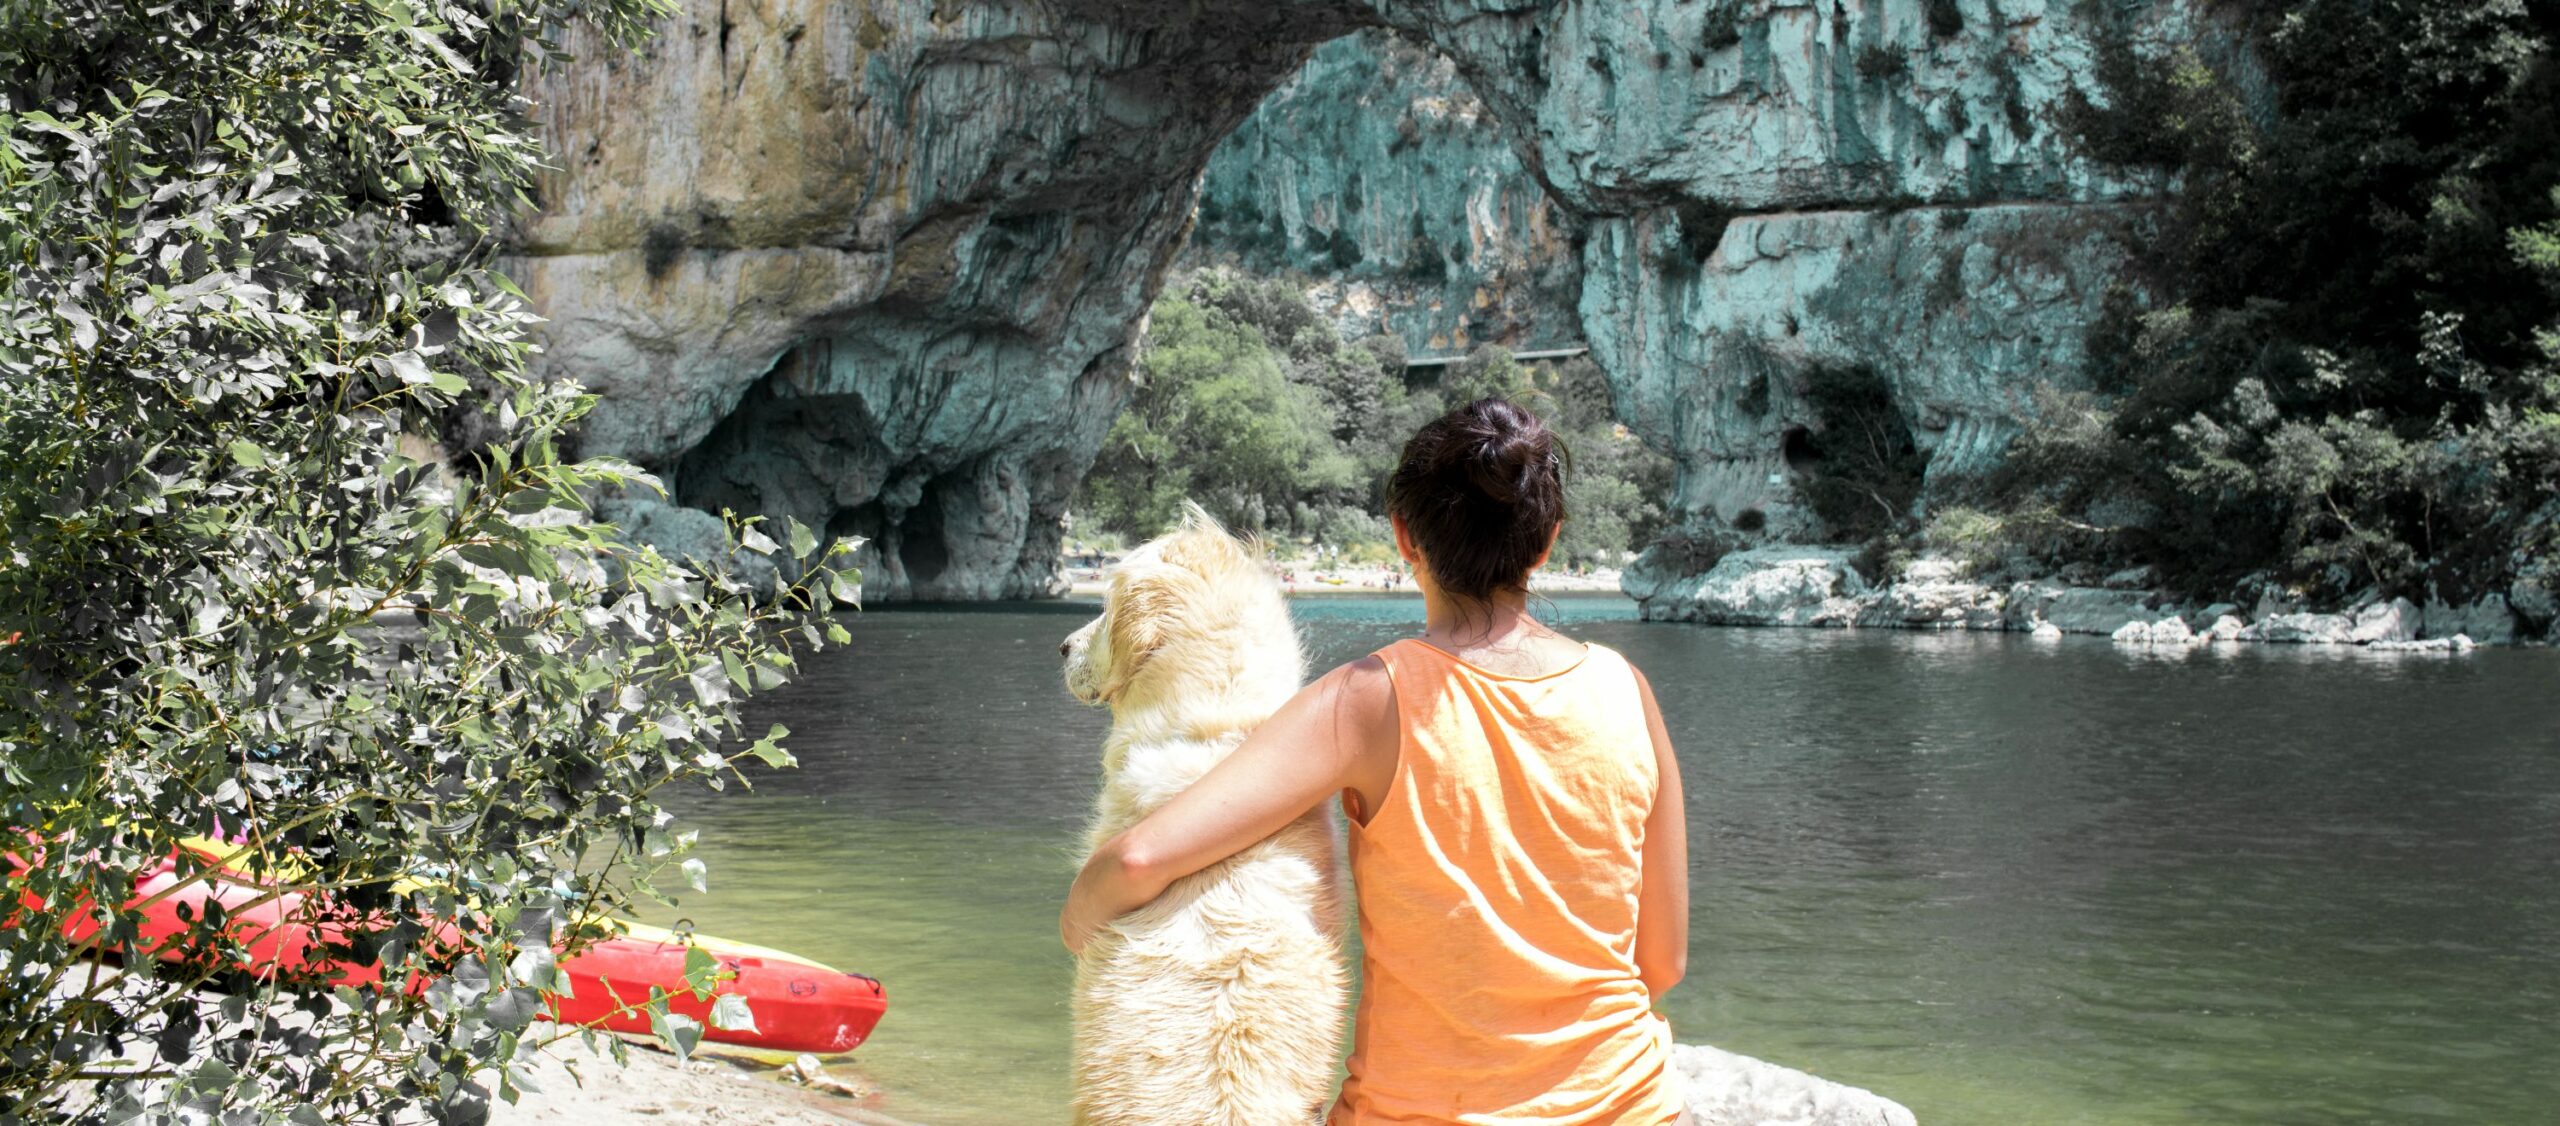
[(1090, 581)]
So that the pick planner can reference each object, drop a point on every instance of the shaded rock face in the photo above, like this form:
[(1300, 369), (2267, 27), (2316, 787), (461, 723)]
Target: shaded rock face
[(877, 264), (1962, 312), (1379, 172)]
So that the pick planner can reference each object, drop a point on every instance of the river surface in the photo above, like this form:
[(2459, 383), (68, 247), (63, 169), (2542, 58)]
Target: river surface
[(2003, 881)]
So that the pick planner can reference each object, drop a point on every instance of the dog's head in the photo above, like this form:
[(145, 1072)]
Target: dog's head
[(1188, 587)]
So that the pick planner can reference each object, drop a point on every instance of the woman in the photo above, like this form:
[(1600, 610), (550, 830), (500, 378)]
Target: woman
[(1517, 843)]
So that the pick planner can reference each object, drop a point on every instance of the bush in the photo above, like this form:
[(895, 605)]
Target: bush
[(1970, 536), (2345, 378), (242, 260)]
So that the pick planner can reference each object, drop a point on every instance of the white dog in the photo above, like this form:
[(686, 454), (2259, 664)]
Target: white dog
[(1219, 1004)]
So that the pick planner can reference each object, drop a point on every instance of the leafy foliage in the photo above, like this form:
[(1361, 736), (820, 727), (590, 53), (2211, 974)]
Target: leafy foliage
[(245, 278), (2352, 377), (1250, 403)]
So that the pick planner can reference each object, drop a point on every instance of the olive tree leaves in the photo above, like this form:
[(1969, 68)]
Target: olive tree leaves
[(408, 706)]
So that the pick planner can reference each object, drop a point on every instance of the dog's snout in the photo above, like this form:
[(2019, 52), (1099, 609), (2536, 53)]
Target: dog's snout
[(1064, 647)]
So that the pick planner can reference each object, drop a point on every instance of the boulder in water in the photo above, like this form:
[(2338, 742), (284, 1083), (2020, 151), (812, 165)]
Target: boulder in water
[(2396, 620), (2302, 629), (1769, 586)]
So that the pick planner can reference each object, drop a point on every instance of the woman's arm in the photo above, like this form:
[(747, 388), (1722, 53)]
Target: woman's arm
[(1324, 740), (1662, 907)]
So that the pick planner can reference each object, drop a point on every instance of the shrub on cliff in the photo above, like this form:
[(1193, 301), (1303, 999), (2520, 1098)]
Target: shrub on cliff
[(242, 272)]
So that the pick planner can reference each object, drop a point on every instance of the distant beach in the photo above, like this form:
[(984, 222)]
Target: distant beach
[(1089, 581)]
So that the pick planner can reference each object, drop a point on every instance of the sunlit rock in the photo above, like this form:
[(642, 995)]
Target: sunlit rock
[(2395, 620), (2302, 629), (1935, 594), (1725, 1089), (1769, 586)]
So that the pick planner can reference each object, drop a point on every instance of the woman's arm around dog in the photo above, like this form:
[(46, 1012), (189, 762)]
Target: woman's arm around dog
[(1336, 734)]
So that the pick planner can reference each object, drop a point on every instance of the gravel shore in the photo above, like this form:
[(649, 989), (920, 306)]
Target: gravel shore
[(655, 1088)]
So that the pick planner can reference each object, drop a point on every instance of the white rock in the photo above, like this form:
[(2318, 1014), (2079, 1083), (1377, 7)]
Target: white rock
[(1768, 586), (1724, 1089), (2047, 631), (2172, 631), (2226, 628), (2132, 633), (2396, 620), (2302, 629)]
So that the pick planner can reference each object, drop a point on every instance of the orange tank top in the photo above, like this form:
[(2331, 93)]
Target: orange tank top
[(1497, 884)]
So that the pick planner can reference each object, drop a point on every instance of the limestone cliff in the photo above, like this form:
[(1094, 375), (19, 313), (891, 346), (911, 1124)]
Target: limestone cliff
[(1378, 174), (878, 263), (1772, 188)]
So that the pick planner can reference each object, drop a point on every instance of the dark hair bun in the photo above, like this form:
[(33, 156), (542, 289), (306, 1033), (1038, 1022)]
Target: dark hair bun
[(1481, 490)]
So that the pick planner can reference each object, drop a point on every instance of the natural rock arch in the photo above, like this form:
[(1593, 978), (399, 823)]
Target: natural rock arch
[(879, 264)]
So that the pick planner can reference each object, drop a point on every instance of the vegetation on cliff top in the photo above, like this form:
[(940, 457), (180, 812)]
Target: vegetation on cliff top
[(242, 266), (1248, 402), (2354, 381)]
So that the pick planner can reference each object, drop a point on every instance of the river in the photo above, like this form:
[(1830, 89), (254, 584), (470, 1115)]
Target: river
[(2001, 880)]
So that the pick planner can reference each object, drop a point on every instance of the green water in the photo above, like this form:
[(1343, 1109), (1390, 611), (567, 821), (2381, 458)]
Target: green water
[(2000, 880)]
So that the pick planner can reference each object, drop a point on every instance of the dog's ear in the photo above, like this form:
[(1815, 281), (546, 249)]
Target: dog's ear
[(1143, 606), (1195, 518), (1206, 549)]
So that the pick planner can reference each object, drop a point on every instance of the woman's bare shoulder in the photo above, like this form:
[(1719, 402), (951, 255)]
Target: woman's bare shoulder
[(1361, 683)]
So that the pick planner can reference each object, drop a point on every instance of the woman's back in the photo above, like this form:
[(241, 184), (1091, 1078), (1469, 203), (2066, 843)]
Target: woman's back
[(1498, 884)]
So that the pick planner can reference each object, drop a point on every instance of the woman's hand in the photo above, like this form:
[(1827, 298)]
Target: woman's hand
[(1109, 886)]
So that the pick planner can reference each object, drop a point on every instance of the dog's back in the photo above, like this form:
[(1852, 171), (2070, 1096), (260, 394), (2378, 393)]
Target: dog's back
[(1219, 1004)]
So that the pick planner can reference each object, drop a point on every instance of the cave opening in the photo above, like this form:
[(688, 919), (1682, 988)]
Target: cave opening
[(921, 552), (1797, 451)]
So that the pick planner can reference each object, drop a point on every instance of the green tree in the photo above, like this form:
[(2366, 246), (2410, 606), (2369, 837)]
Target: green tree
[(2338, 380), (1248, 402), (243, 261), (1214, 418)]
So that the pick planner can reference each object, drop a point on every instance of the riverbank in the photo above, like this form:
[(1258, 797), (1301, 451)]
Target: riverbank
[(1722, 1089), (574, 1087), (1821, 587), (1092, 581)]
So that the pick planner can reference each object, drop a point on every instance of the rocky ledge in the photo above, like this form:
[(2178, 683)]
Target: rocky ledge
[(1819, 586), (1724, 1089)]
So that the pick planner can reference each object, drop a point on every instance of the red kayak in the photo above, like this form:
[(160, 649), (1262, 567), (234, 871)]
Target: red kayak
[(798, 1005)]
